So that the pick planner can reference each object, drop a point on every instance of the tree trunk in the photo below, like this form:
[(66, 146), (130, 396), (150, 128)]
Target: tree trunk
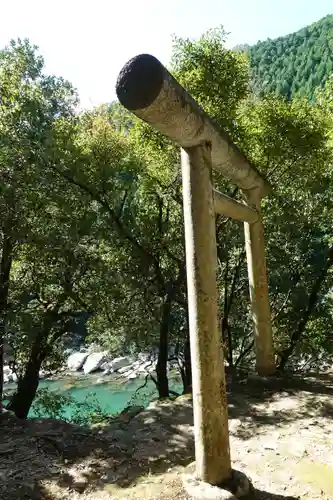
[(162, 361), (187, 377), (227, 340), (312, 302), (27, 385), (5, 267), (229, 296), (26, 389)]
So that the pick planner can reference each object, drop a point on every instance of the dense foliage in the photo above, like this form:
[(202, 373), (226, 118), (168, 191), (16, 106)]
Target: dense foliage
[(92, 223), (296, 64)]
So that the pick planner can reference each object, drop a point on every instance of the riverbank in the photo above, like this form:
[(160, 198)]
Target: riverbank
[(279, 436), (109, 394), (94, 379), (92, 359)]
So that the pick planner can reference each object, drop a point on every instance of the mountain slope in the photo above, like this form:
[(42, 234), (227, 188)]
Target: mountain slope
[(294, 64)]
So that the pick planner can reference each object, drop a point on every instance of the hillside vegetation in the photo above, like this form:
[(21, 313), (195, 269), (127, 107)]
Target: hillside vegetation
[(92, 222), (295, 64)]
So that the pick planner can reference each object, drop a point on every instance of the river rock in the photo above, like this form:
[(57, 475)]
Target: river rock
[(7, 372), (76, 361), (145, 367), (8, 375), (107, 370), (104, 366), (69, 351), (118, 363), (94, 362), (125, 369), (144, 356)]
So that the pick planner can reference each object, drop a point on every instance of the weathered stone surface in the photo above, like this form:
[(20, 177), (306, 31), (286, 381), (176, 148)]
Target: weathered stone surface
[(208, 378), (146, 88), (258, 285), (76, 361), (120, 362), (93, 362), (238, 487), (146, 366), (8, 375), (105, 366), (124, 369)]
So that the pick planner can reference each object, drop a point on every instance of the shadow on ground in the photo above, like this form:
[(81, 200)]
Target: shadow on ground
[(36, 453), (264, 495)]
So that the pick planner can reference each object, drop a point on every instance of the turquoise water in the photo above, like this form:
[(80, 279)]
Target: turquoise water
[(112, 395)]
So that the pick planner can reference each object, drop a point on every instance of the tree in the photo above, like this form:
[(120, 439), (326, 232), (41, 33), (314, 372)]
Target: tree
[(31, 106), (306, 56), (290, 143), (92, 217), (141, 200), (131, 193), (218, 78), (47, 298)]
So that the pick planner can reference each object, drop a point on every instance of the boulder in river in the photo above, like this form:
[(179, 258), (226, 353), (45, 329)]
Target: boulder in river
[(118, 363), (8, 375), (76, 361), (145, 367), (144, 356), (124, 369), (94, 362), (106, 369)]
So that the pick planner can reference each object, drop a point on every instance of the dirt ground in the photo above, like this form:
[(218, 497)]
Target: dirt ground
[(281, 434)]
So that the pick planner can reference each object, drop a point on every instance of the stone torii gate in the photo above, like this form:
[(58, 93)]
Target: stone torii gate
[(148, 90)]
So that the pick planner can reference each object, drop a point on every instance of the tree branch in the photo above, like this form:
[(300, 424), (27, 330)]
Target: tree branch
[(116, 220), (311, 305)]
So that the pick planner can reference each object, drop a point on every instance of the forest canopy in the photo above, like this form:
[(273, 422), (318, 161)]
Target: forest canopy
[(296, 64), (92, 224)]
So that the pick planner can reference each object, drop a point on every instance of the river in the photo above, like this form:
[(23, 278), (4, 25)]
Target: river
[(112, 393)]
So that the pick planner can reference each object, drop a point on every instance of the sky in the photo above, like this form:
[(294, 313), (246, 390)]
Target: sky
[(88, 42)]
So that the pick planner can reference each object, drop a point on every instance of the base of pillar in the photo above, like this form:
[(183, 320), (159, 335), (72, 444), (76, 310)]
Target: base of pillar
[(238, 486)]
